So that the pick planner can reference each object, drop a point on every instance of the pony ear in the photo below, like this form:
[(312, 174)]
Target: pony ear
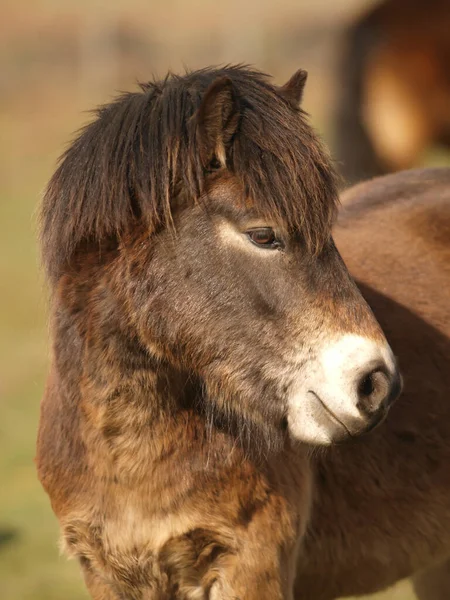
[(293, 89), (217, 122)]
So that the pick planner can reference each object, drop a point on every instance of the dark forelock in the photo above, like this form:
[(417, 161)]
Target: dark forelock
[(141, 150)]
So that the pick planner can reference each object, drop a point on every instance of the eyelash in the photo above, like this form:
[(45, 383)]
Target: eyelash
[(272, 242)]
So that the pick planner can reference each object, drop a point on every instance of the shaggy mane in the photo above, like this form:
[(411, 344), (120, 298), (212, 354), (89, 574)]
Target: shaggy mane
[(141, 150)]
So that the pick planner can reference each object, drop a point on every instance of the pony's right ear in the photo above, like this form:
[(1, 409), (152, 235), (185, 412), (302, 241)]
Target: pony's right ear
[(217, 122)]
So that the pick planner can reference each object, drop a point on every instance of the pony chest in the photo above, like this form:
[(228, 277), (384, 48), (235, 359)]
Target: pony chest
[(125, 545)]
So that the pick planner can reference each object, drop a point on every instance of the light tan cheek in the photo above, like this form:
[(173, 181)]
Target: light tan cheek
[(229, 236)]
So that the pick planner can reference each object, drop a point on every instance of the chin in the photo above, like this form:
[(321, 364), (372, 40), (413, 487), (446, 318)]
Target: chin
[(317, 432)]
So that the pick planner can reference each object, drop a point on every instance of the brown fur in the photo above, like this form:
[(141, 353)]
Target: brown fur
[(382, 504), (394, 87), (164, 443)]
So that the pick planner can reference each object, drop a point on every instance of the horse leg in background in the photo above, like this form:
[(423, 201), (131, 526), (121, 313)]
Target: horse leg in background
[(434, 583), (353, 147)]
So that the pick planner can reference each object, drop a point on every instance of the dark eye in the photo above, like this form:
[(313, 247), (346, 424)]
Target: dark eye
[(264, 237)]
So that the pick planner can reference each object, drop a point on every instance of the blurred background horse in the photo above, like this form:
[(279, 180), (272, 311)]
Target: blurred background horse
[(393, 83)]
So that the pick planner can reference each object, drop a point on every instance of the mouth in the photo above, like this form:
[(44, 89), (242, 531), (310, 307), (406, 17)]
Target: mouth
[(374, 423), (330, 413)]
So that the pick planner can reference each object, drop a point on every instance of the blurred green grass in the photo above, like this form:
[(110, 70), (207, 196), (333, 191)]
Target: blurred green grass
[(30, 566)]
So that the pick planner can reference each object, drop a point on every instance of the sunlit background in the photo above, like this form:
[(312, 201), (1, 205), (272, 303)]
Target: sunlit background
[(58, 60)]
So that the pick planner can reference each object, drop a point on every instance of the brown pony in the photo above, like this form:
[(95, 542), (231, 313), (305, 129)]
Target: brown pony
[(381, 510), (206, 334), (394, 87)]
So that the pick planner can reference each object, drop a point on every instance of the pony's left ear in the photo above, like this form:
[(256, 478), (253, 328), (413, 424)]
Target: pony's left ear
[(293, 89), (217, 122)]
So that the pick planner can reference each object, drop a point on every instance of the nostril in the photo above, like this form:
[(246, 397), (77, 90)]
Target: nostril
[(366, 386), (373, 390)]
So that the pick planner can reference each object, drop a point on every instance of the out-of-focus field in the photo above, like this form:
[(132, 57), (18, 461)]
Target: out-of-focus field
[(56, 60)]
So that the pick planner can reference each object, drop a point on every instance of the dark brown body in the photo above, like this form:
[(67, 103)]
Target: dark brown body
[(180, 333), (394, 87), (206, 336), (381, 508), (382, 503)]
